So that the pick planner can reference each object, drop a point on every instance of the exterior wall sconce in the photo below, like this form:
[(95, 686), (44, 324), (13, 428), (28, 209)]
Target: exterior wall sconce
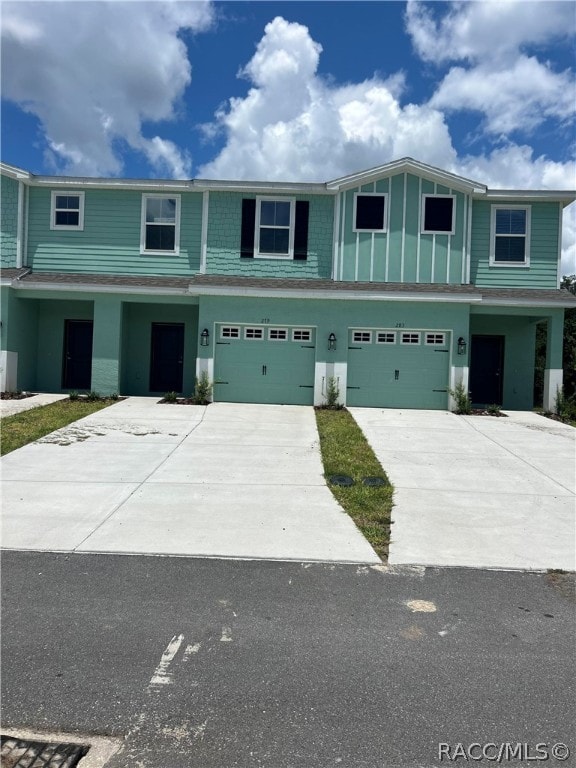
[(332, 341), (204, 337), (462, 346)]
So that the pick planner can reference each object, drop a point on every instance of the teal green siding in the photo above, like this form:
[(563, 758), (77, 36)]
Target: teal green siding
[(223, 247), (8, 221), (519, 354), (110, 240), (19, 334), (543, 269), (402, 254)]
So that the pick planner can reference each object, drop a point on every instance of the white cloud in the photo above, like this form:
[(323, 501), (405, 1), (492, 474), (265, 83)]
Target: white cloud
[(94, 76), (293, 125), (492, 30)]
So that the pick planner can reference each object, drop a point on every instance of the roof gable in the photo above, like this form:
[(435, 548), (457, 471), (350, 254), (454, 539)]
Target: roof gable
[(407, 165)]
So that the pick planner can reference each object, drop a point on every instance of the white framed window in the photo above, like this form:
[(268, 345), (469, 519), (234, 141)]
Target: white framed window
[(510, 236), (370, 212), (410, 338), (436, 339), (229, 332), (278, 334), (160, 229), (301, 334), (67, 210), (274, 235), (385, 337), (362, 337), (438, 214), (255, 334)]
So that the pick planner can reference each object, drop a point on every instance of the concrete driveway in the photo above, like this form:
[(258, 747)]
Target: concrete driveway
[(225, 480), (477, 491)]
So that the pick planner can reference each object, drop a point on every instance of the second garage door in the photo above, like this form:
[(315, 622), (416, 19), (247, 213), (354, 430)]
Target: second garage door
[(264, 364), (389, 368)]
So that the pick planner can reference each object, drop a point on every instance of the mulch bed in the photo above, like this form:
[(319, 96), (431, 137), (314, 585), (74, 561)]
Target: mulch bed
[(484, 412), (16, 395)]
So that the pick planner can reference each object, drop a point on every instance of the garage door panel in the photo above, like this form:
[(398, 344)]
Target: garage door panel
[(265, 371), (397, 375)]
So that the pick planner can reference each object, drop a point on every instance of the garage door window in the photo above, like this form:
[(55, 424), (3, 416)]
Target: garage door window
[(254, 333), (410, 338), (436, 339), (386, 337), (362, 337), (277, 334), (301, 334), (229, 332)]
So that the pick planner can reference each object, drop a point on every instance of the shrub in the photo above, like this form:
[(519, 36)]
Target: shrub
[(462, 399), (494, 409), (93, 396), (170, 397), (202, 390), (332, 394), (565, 407), (74, 396)]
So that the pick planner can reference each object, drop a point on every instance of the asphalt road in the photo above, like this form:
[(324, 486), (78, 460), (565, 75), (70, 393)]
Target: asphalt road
[(224, 664)]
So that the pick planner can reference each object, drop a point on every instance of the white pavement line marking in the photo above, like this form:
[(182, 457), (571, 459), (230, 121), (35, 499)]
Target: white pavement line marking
[(161, 675), (226, 635), (190, 649)]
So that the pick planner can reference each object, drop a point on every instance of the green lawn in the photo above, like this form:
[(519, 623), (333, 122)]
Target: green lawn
[(345, 451), (23, 428)]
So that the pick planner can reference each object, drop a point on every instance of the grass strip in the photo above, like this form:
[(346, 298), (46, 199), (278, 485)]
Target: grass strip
[(25, 427), (345, 451)]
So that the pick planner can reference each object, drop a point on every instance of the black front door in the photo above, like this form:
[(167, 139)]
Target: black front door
[(167, 357), (77, 363), (486, 369)]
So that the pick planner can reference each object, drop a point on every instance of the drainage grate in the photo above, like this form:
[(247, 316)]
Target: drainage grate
[(344, 480), (22, 753)]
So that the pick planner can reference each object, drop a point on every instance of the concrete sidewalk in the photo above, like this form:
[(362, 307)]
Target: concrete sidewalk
[(477, 491), (225, 480), (11, 407)]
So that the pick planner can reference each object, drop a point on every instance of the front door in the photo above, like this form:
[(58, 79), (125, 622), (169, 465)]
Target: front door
[(487, 369), (77, 362), (167, 357)]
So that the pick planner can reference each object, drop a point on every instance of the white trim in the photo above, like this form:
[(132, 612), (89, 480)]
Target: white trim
[(230, 328), (423, 217), (364, 332), (419, 227), (469, 242), (335, 235), (276, 329), (386, 212), (8, 371), (410, 333), (527, 236), (386, 267), (26, 225), (559, 262), (204, 231), (342, 238), (553, 380), (19, 226), (258, 254), (464, 240), (151, 196), (403, 228), (63, 193), (253, 328), (435, 342), (388, 333), (356, 257), (303, 329), (449, 246)]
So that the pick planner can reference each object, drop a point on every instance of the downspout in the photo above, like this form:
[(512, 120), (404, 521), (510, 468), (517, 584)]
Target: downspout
[(20, 226)]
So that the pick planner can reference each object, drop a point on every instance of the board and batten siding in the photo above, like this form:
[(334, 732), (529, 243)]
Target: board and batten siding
[(110, 240), (543, 269), (224, 230), (403, 254), (8, 221)]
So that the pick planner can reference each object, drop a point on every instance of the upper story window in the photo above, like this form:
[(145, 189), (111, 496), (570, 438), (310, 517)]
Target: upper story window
[(509, 236), (438, 214), (160, 224), (274, 228), (370, 212), (67, 210)]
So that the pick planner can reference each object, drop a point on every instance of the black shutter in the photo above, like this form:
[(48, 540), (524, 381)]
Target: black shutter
[(248, 223), (301, 231)]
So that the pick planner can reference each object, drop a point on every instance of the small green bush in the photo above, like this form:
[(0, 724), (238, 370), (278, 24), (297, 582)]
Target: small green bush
[(74, 396), (170, 397), (565, 407), (462, 399), (494, 409), (93, 396), (332, 394), (203, 390)]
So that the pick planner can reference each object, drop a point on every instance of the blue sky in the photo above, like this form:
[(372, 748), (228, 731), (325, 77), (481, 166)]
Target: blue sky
[(292, 90)]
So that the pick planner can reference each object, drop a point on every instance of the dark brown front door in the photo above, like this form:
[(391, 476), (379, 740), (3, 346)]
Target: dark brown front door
[(77, 362), (167, 357)]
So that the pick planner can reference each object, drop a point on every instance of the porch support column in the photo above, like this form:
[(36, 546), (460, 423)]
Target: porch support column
[(106, 345), (553, 373)]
